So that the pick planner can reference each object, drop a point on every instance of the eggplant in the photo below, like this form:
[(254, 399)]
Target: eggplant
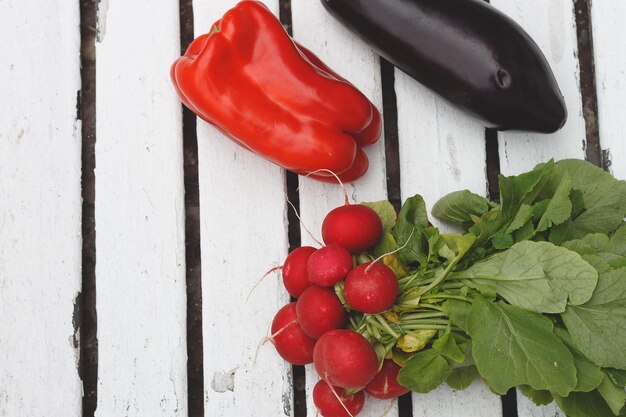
[(467, 51)]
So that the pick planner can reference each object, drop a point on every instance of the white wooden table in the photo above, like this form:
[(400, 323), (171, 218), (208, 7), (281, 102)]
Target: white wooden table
[(140, 273)]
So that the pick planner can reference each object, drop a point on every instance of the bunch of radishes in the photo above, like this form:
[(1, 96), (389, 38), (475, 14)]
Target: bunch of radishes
[(313, 329)]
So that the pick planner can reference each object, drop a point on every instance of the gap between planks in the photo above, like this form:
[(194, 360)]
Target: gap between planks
[(88, 317), (193, 247)]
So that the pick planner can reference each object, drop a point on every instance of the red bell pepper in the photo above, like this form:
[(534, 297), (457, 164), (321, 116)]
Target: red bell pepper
[(274, 97)]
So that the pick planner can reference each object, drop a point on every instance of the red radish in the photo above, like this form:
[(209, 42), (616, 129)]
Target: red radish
[(291, 343), (371, 288), (320, 310), (355, 227), (329, 265), (385, 385), (331, 405), (295, 276), (345, 358)]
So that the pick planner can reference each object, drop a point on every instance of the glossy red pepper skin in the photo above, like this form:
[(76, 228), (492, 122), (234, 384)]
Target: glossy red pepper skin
[(268, 94)]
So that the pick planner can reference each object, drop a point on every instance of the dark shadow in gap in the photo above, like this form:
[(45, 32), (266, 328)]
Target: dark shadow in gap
[(195, 348), (509, 403), (493, 164), (390, 116), (86, 112), (594, 154)]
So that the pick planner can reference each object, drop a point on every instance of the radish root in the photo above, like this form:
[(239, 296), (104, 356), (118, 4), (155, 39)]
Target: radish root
[(306, 229), (343, 187), (270, 338), (332, 389), (276, 268)]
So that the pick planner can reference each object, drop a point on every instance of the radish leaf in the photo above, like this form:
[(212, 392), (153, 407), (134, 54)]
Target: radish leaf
[(512, 346), (425, 371), (538, 276), (598, 327)]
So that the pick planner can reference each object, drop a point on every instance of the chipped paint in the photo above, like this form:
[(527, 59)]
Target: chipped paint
[(224, 381), (102, 10)]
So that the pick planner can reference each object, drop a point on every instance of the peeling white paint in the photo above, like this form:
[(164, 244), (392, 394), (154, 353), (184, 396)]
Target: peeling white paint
[(102, 10), (224, 381)]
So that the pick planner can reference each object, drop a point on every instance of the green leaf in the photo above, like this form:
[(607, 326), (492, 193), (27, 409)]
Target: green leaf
[(522, 189), (597, 241), (522, 217), (385, 211), (604, 196), (618, 376), (617, 243), (446, 345), (425, 371), (502, 241), (458, 311), (578, 202), (414, 340), (601, 219), (513, 346), (459, 206), (588, 375), (539, 209), (598, 327), (562, 233), (584, 404), (560, 207), (538, 397), (525, 233), (387, 244), (487, 225), (538, 276), (412, 220), (460, 244), (462, 377), (599, 187), (413, 212), (614, 396)]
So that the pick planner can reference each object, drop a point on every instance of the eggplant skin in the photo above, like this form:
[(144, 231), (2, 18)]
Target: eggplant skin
[(468, 52)]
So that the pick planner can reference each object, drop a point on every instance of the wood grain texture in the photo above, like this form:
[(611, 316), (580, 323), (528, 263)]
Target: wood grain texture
[(553, 27), (40, 209), (609, 38), (314, 28), (441, 150), (244, 233), (139, 213)]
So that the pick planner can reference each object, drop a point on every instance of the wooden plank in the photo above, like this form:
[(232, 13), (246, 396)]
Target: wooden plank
[(40, 209), (552, 25), (352, 59), (244, 233), (139, 213), (609, 37), (476, 400), (441, 150)]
